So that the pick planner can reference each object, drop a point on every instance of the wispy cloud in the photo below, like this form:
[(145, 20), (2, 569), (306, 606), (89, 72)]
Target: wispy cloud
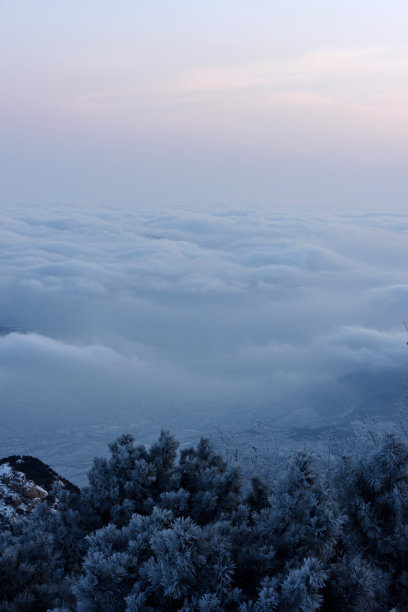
[(317, 78)]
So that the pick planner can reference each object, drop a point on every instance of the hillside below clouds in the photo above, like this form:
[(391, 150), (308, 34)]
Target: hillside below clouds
[(338, 410), (380, 395)]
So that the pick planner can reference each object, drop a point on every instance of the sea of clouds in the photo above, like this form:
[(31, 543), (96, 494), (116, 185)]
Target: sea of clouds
[(186, 319)]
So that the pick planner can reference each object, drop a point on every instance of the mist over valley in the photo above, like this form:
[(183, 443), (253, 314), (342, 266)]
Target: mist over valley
[(254, 323)]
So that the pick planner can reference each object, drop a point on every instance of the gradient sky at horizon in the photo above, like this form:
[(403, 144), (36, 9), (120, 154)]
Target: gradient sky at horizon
[(161, 103)]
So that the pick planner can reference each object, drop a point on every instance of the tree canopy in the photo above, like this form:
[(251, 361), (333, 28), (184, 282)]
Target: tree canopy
[(163, 529)]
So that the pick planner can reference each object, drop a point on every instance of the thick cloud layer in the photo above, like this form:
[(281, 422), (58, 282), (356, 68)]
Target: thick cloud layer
[(186, 319)]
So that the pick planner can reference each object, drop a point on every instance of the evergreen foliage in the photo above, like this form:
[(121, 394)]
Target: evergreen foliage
[(158, 529), (374, 493), (303, 519)]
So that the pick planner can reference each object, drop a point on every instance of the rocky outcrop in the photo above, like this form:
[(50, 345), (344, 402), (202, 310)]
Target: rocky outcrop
[(24, 482)]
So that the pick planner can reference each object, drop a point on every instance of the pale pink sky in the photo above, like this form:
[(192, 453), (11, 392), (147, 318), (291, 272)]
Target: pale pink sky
[(283, 103)]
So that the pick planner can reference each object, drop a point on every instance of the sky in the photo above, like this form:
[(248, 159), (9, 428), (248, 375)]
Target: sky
[(157, 103), (202, 214)]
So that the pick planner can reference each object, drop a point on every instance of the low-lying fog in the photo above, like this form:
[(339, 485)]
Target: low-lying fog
[(194, 320)]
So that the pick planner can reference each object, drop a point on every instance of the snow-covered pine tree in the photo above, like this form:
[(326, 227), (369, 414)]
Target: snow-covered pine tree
[(111, 566), (213, 487), (132, 479), (32, 572), (356, 585), (374, 493), (156, 562), (303, 519)]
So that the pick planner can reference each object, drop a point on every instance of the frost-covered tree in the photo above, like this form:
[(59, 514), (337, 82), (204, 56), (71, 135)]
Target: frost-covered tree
[(156, 562), (258, 498), (132, 479), (158, 530), (32, 573), (112, 563), (252, 553), (303, 519), (70, 521), (301, 589), (374, 494), (213, 487), (188, 563), (354, 584)]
